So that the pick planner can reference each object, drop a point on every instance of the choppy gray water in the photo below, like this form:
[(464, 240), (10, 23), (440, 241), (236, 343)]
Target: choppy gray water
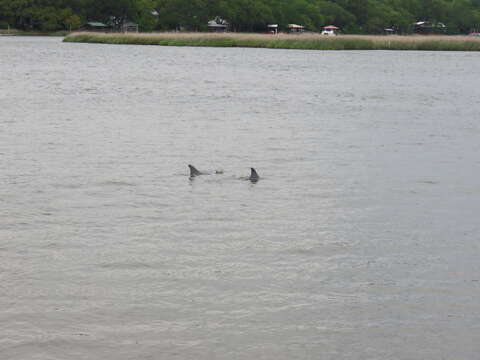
[(361, 241)]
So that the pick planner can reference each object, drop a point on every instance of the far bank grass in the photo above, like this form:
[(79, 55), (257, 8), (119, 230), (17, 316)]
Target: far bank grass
[(287, 41)]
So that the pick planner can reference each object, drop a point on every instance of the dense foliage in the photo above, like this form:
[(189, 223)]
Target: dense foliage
[(353, 16)]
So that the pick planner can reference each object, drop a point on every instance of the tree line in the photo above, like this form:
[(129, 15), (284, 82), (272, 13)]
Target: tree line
[(353, 16)]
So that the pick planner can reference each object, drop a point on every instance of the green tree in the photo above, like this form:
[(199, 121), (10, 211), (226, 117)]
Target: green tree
[(364, 16)]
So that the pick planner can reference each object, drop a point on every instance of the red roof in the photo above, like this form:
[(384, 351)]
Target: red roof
[(331, 27)]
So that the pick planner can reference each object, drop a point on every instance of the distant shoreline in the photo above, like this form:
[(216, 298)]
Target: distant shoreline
[(286, 41), (14, 32)]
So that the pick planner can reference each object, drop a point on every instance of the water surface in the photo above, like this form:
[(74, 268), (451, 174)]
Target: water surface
[(361, 240)]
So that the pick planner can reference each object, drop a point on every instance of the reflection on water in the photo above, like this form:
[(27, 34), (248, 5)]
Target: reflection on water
[(359, 242)]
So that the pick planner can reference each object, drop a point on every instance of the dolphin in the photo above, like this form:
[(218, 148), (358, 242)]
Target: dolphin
[(253, 175), (194, 172)]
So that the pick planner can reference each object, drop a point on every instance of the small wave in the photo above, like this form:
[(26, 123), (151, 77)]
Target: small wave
[(125, 266), (116, 183), (302, 251), (52, 245), (67, 186)]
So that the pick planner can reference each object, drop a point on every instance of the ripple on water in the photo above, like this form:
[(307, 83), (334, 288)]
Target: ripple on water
[(115, 183), (68, 186), (125, 266)]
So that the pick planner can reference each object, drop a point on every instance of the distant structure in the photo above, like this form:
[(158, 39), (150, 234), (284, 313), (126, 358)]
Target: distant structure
[(429, 28), (273, 29), (129, 27), (95, 26), (294, 28), (392, 30), (330, 30), (218, 25)]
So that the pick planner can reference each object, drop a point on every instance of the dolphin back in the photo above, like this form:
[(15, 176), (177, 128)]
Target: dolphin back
[(253, 175), (193, 171)]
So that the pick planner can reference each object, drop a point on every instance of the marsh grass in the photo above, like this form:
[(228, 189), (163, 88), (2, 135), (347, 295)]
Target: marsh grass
[(286, 41)]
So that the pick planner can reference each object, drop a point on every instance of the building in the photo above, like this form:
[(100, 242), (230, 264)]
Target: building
[(95, 26), (330, 30), (429, 28), (392, 30), (129, 27), (294, 28), (218, 25), (273, 29)]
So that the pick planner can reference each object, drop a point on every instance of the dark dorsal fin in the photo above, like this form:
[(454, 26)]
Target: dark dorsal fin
[(253, 175), (193, 171)]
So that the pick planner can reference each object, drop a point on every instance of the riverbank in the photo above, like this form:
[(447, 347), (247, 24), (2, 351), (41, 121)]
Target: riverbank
[(286, 41), (14, 32)]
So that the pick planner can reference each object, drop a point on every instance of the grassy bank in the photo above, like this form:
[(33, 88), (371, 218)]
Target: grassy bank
[(284, 41)]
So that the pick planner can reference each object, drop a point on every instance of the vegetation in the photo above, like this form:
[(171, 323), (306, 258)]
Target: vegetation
[(308, 42), (353, 16)]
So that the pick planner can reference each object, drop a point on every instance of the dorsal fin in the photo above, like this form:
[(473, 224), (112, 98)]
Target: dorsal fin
[(193, 171), (253, 175)]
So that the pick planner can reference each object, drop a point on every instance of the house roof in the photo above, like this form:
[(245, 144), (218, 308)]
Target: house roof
[(430, 24), (213, 23), (96, 24)]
